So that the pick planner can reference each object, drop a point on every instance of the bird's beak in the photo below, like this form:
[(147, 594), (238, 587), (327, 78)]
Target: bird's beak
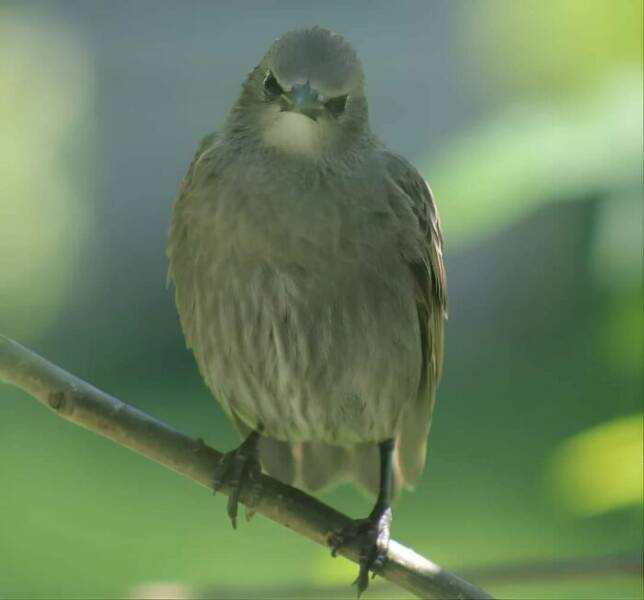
[(303, 99)]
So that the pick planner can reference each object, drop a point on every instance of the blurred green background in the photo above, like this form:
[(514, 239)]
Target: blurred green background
[(526, 117)]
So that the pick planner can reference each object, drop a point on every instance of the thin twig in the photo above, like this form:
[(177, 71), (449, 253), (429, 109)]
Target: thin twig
[(85, 405)]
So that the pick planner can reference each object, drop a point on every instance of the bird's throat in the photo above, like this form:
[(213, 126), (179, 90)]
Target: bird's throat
[(294, 133)]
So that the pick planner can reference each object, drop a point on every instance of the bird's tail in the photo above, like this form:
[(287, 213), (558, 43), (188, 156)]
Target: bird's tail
[(316, 466)]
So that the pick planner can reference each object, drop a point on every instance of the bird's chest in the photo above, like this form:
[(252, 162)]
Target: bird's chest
[(266, 220), (297, 302), (267, 253)]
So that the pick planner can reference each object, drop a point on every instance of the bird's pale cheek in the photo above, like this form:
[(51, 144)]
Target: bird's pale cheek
[(294, 133)]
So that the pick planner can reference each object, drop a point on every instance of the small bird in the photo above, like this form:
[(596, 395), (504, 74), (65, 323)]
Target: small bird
[(309, 280)]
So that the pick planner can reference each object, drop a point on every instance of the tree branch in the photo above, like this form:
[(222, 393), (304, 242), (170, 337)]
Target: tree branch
[(85, 405)]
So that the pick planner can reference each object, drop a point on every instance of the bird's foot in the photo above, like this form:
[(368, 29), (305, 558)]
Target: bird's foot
[(234, 468), (372, 535)]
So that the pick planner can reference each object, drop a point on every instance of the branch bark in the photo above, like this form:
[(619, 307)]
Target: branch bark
[(81, 403)]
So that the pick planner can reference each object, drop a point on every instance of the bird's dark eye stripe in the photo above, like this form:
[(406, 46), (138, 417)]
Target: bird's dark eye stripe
[(271, 85), (336, 105)]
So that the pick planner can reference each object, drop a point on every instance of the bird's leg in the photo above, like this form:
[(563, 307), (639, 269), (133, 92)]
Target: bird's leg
[(372, 532), (235, 467)]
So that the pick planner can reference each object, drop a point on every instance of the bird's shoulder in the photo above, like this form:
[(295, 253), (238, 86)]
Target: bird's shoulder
[(205, 155), (411, 188)]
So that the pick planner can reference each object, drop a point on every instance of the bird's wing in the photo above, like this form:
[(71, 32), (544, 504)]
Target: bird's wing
[(425, 261), (180, 250)]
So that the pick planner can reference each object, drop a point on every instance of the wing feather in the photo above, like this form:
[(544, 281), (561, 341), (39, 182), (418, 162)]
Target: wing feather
[(180, 250), (428, 271)]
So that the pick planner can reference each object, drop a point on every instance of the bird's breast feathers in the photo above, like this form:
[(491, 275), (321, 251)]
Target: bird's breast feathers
[(294, 302)]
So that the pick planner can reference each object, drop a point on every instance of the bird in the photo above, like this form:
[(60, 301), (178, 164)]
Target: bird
[(308, 274)]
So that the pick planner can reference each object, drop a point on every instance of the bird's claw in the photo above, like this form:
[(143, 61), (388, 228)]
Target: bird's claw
[(233, 470), (372, 535)]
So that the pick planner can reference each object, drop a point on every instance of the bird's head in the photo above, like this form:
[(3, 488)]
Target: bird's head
[(306, 97)]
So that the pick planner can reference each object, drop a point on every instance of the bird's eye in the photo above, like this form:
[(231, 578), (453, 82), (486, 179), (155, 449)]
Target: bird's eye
[(271, 86), (336, 105)]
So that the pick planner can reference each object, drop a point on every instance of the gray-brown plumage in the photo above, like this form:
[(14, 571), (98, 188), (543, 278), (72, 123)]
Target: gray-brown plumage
[(309, 278)]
